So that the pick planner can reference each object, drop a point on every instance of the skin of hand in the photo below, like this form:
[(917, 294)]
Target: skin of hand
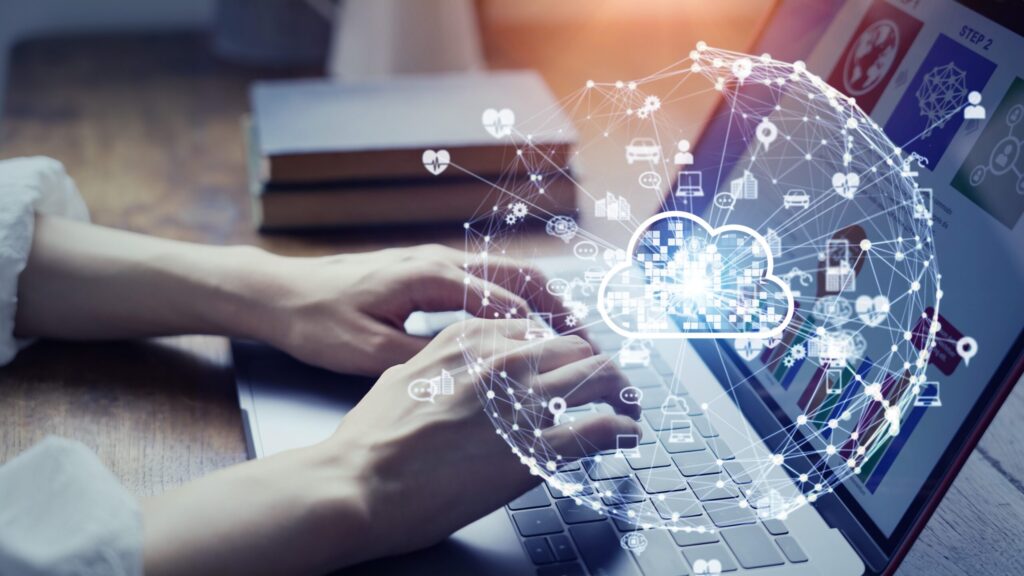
[(347, 312), (344, 312), (398, 474)]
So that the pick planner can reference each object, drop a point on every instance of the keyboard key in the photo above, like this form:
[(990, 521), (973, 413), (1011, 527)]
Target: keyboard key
[(539, 550), (574, 513), (725, 513), (562, 547), (791, 549), (752, 546), (680, 441), (683, 504), (704, 427), (536, 522), (662, 420), (696, 463), (708, 488), (643, 377), (710, 552), (721, 450), (624, 523), (663, 368), (536, 497), (574, 569), (653, 398), (648, 435), (660, 480), (694, 537), (575, 478), (661, 557), (569, 466), (606, 468), (650, 456), (598, 545), (775, 526), (737, 473), (621, 491)]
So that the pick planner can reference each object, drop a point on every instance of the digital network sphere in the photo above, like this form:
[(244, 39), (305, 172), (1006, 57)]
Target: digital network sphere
[(800, 245)]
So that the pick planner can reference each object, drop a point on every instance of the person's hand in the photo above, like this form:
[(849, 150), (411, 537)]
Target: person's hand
[(347, 312), (432, 467), (398, 474)]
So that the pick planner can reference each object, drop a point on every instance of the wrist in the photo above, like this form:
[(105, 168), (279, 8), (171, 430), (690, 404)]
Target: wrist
[(255, 287)]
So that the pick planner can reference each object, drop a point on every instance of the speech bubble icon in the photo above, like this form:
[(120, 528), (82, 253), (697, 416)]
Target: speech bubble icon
[(557, 286), (725, 200), (631, 395), (650, 180), (422, 390), (967, 347), (585, 250)]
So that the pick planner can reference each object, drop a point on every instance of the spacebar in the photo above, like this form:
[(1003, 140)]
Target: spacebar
[(600, 549)]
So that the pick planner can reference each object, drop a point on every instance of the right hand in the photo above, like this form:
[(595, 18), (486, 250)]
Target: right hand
[(428, 469)]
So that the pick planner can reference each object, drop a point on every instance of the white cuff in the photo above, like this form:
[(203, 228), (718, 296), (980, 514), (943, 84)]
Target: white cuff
[(27, 186), (62, 513)]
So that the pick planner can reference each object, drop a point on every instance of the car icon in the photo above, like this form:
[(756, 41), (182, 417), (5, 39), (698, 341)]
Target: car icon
[(642, 149), (634, 353), (796, 198)]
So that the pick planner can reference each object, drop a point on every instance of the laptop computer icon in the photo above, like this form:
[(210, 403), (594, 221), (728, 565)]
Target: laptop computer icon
[(689, 184), (928, 395)]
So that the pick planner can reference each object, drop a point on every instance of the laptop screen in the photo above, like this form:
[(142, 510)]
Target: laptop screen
[(901, 59)]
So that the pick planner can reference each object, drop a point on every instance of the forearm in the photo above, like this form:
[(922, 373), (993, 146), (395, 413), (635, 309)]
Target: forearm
[(90, 282), (300, 512)]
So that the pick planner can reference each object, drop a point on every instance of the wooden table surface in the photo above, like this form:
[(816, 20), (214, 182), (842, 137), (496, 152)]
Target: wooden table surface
[(149, 126)]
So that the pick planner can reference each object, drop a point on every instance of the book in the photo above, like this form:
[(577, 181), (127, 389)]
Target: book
[(323, 130), (421, 200)]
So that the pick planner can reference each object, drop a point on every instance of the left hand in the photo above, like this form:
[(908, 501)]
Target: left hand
[(347, 312)]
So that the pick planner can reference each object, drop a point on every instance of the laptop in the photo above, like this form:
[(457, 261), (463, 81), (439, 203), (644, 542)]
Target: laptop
[(879, 51)]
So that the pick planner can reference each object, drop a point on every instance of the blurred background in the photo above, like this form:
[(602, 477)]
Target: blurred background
[(143, 101)]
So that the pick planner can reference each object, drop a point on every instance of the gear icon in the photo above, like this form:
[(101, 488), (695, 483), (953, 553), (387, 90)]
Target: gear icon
[(798, 352), (570, 321), (652, 103), (510, 218), (519, 209), (579, 310), (788, 361)]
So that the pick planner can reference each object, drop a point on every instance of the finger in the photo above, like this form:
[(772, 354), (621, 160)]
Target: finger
[(445, 288), (590, 435), (399, 349), (594, 379), (526, 281), (549, 354)]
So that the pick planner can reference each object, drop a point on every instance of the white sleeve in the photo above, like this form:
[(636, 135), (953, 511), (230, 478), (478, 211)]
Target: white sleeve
[(63, 514), (27, 186)]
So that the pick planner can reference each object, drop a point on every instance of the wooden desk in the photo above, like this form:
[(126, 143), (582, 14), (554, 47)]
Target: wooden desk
[(149, 128)]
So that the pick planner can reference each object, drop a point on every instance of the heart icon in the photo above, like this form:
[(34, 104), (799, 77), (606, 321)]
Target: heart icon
[(846, 184), (872, 311), (499, 123), (436, 161)]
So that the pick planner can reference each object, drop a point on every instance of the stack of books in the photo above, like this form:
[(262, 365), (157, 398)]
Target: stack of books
[(411, 150)]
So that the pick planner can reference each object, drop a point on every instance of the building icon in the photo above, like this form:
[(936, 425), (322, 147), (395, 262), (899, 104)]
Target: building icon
[(744, 187), (612, 207)]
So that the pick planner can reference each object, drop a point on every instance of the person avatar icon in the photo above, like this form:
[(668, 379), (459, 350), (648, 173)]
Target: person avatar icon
[(684, 157), (704, 567), (974, 110)]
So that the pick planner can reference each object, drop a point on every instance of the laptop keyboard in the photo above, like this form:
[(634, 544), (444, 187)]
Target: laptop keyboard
[(679, 479)]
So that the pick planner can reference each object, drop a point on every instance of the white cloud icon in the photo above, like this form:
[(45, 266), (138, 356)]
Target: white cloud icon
[(687, 279)]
